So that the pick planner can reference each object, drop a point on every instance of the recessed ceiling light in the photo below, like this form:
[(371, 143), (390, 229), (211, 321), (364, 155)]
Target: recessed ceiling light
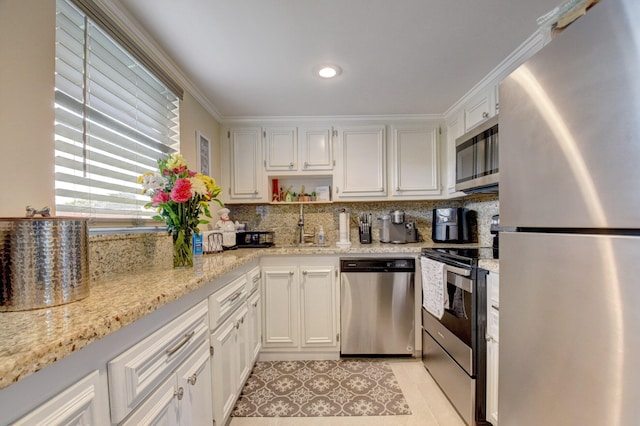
[(329, 71)]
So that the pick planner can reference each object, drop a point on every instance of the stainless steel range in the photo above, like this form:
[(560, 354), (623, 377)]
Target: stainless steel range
[(454, 322)]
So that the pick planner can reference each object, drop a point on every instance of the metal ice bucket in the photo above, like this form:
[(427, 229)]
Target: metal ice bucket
[(44, 262)]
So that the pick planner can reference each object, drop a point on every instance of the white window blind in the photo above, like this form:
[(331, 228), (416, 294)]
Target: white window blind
[(114, 119)]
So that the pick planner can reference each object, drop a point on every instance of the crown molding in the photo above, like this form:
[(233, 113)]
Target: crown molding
[(333, 119), (534, 43)]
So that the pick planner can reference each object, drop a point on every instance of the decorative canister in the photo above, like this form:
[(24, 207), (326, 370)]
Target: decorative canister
[(44, 262)]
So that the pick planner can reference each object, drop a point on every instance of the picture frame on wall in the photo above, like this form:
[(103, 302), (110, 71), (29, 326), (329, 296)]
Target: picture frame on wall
[(203, 154)]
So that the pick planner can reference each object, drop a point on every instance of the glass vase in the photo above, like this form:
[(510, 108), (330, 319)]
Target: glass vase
[(182, 251)]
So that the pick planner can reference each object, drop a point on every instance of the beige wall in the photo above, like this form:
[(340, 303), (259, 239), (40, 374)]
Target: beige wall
[(27, 61), (27, 64)]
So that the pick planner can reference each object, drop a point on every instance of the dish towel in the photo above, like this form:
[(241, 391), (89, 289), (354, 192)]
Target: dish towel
[(434, 287)]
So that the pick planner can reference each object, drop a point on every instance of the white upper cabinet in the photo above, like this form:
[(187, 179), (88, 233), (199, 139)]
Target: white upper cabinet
[(361, 163), (455, 129), (281, 153), (303, 149), (242, 165), (480, 107), (414, 161), (315, 144)]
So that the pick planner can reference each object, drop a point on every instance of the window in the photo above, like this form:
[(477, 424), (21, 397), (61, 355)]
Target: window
[(114, 119)]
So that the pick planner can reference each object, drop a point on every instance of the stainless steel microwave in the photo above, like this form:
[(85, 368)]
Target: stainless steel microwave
[(477, 159)]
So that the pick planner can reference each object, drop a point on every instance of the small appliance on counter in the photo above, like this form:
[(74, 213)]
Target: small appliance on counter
[(254, 239), (495, 230), (452, 225), (395, 229)]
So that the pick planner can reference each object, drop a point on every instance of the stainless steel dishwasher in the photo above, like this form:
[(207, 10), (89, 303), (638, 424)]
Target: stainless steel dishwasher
[(377, 306)]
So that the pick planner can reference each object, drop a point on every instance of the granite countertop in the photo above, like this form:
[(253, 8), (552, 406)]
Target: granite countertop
[(32, 340)]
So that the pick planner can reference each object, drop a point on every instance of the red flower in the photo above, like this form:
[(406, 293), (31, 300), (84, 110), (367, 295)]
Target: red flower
[(159, 198), (192, 173), (181, 191), (180, 170)]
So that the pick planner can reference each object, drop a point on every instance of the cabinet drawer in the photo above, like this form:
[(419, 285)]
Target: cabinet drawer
[(253, 280), (137, 372), (226, 300)]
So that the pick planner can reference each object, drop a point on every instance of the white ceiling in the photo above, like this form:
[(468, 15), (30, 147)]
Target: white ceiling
[(255, 58)]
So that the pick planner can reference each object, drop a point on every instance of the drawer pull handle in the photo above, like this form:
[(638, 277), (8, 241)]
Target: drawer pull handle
[(256, 278), (235, 296), (237, 325), (495, 307), (192, 380), (180, 344), (179, 393), (255, 305)]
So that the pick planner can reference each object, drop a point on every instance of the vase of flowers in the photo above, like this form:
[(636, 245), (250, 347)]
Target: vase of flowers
[(181, 196)]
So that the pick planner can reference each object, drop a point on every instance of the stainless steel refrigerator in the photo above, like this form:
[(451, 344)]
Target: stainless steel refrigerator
[(570, 183)]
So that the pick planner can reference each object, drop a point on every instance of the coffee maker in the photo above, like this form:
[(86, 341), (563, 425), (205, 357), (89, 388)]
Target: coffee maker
[(396, 229), (452, 225)]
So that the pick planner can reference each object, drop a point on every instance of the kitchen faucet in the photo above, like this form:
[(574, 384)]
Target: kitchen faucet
[(301, 226)]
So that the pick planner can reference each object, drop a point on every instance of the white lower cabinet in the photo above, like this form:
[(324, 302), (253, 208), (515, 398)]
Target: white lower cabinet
[(236, 344), (254, 328), (150, 383), (183, 399), (300, 305), (493, 315), (80, 404), (229, 364)]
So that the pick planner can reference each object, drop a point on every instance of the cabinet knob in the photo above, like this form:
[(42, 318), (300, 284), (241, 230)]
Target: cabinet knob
[(237, 326), (485, 114), (337, 189), (193, 379), (291, 273), (255, 192), (290, 165), (179, 393), (255, 305), (306, 164), (397, 188), (304, 272)]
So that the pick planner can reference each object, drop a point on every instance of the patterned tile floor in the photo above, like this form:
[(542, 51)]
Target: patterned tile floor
[(428, 405)]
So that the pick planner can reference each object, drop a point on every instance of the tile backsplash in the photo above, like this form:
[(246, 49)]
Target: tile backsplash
[(283, 219), (128, 253)]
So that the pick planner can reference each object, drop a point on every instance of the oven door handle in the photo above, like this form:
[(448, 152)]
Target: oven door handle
[(462, 282), (457, 271)]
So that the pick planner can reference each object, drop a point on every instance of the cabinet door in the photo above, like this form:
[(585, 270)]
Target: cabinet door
[(318, 297), (455, 129), (316, 151), (160, 408), (194, 378), (245, 159), (80, 404), (281, 152), (255, 327), (480, 108), (225, 373), (415, 161), (280, 307), (361, 170), (242, 346)]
